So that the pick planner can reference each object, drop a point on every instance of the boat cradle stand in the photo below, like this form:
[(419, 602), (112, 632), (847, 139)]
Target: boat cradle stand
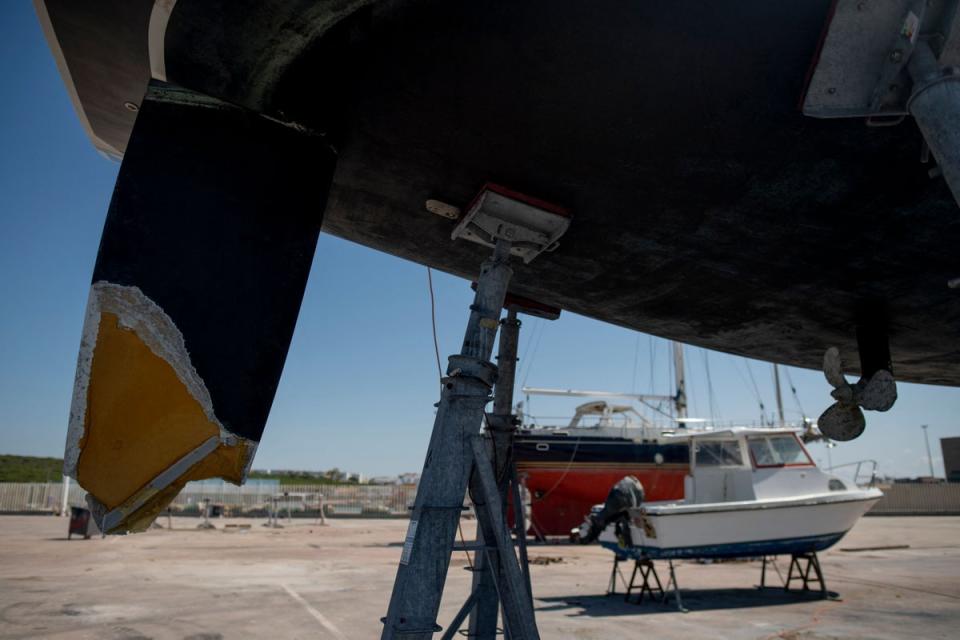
[(810, 564), (458, 456), (650, 581)]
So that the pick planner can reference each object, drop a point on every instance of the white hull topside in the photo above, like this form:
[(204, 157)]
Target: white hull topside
[(728, 525)]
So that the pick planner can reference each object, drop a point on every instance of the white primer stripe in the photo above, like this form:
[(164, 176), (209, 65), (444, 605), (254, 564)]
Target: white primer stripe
[(322, 619), (156, 37), (44, 16)]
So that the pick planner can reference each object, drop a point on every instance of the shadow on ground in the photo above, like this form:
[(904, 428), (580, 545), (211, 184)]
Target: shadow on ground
[(693, 600)]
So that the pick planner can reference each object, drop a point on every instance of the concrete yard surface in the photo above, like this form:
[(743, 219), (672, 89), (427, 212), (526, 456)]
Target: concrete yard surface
[(318, 582)]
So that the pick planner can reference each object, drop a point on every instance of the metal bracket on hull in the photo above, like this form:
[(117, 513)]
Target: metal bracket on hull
[(886, 59), (530, 225)]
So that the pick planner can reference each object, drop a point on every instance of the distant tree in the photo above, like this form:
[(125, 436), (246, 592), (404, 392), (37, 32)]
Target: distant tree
[(30, 469)]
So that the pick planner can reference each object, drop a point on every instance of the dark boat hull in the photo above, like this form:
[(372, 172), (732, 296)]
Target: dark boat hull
[(566, 475)]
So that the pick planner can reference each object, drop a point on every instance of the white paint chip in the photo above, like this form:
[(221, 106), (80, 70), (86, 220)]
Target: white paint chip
[(138, 313)]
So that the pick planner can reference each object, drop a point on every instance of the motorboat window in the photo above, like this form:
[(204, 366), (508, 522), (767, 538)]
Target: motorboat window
[(778, 451), (714, 453)]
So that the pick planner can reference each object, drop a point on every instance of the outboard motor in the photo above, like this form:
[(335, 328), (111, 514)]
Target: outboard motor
[(626, 494)]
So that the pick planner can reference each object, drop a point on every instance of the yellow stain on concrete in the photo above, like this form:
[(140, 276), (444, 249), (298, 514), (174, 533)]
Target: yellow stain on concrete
[(140, 420)]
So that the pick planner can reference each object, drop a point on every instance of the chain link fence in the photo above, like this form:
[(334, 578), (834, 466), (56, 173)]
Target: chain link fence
[(380, 501), (253, 500), (908, 499)]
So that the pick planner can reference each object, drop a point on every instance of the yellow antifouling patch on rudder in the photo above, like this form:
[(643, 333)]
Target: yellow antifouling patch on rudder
[(140, 420)]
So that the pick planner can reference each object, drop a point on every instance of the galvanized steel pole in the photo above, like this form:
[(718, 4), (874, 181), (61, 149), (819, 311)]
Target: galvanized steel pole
[(425, 558), (935, 105), (500, 426)]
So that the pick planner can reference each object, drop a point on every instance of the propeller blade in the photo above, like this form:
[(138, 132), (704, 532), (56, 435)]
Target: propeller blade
[(879, 393), (833, 368), (842, 422)]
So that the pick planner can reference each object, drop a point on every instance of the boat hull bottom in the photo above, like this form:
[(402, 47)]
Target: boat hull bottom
[(754, 548), (562, 498)]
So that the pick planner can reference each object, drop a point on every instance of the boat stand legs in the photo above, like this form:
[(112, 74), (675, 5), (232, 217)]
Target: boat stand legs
[(803, 572), (649, 582), (612, 585), (648, 574), (457, 456), (772, 561), (804, 568), (676, 589), (484, 602)]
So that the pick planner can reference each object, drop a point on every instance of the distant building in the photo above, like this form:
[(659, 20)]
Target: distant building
[(403, 478), (409, 478), (951, 458)]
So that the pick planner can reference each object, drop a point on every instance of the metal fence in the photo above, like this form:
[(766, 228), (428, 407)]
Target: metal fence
[(368, 501), (40, 497), (907, 499), (384, 501)]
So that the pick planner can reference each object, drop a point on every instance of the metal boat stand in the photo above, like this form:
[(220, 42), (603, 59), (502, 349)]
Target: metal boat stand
[(458, 455), (501, 427), (206, 524), (772, 561), (644, 566), (803, 573), (811, 564), (614, 573), (650, 582)]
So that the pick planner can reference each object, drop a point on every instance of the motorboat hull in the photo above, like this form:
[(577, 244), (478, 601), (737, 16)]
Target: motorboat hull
[(740, 529)]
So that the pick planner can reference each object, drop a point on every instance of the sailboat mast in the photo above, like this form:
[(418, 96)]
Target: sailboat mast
[(680, 399), (776, 382)]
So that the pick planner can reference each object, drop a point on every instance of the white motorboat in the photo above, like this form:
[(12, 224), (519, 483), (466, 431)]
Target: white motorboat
[(749, 492)]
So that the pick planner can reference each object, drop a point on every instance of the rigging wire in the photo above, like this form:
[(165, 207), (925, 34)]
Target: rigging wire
[(546, 494), (706, 368), (653, 358), (526, 350), (756, 390), (690, 387), (436, 351), (672, 384), (433, 322), (636, 362), (652, 352), (793, 391), (533, 355), (656, 407)]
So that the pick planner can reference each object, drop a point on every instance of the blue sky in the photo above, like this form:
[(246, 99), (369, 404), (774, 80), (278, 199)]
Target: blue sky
[(360, 381)]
